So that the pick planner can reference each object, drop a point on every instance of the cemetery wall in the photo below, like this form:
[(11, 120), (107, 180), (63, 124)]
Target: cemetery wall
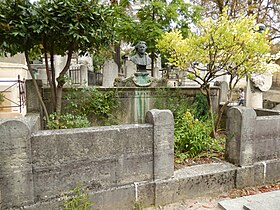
[(252, 138), (40, 165)]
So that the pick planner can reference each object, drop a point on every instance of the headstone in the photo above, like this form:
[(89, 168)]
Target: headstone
[(130, 69), (110, 73), (223, 91)]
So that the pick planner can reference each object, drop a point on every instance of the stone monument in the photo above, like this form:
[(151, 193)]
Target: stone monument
[(256, 85), (141, 60), (141, 77)]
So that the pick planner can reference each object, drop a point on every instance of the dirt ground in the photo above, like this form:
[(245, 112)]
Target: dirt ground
[(211, 202)]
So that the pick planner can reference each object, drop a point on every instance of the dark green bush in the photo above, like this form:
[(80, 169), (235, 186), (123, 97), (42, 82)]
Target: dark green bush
[(97, 105), (192, 125)]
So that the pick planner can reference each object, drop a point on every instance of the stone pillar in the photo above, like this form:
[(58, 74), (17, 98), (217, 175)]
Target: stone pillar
[(163, 142), (240, 135), (110, 73), (32, 100), (84, 75), (16, 179)]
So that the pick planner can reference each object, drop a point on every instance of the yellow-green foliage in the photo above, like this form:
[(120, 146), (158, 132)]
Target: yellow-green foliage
[(232, 45)]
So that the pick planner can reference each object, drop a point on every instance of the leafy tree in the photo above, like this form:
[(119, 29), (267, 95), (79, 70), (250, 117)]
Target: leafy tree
[(156, 17), (56, 27), (70, 26), (16, 35), (266, 12), (224, 47)]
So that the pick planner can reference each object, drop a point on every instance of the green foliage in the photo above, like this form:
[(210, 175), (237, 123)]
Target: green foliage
[(137, 206), (224, 47), (192, 124), (229, 45), (79, 200), (2, 98), (192, 136), (173, 100), (93, 103), (156, 17), (200, 107), (67, 120)]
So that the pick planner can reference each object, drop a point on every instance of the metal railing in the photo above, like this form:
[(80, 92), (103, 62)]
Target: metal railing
[(75, 75), (21, 93)]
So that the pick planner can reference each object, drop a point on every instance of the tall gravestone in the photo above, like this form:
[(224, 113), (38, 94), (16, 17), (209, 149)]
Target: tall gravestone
[(130, 69), (110, 73)]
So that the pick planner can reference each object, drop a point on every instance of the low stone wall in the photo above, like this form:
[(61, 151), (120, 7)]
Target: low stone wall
[(252, 138), (41, 165), (125, 165)]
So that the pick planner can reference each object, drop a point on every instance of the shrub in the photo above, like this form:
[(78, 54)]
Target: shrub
[(94, 104), (64, 121), (191, 123), (192, 136), (78, 201)]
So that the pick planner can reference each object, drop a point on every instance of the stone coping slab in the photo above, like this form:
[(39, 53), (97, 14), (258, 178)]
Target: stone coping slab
[(263, 201)]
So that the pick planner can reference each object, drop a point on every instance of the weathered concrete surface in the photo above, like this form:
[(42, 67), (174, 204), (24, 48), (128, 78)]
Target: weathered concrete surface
[(120, 165), (195, 181), (96, 157), (163, 148), (262, 201), (16, 178), (251, 138)]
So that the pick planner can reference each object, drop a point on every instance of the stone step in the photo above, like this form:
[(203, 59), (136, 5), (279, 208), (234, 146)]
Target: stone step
[(262, 201)]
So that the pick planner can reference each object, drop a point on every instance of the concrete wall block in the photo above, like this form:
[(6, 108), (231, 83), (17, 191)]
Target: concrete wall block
[(190, 187), (102, 156), (32, 101), (118, 198), (163, 123), (146, 193), (272, 168), (52, 181), (134, 169), (55, 147), (240, 135), (166, 191), (247, 176), (17, 188), (16, 179)]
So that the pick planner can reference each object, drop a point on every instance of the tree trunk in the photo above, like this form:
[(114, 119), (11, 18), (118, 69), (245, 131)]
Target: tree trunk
[(219, 117), (49, 77), (61, 81), (210, 109), (36, 86)]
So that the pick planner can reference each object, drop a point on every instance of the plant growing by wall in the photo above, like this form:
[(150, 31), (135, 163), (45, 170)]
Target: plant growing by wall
[(96, 105), (191, 123), (63, 121), (78, 201), (223, 46)]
